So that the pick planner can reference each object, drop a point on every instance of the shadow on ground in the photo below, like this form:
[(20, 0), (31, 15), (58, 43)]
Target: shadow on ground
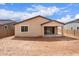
[(6, 36), (44, 38)]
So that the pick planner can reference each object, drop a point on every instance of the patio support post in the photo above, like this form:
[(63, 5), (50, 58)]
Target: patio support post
[(62, 30)]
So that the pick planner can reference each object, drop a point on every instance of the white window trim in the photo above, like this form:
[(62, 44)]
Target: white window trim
[(24, 25)]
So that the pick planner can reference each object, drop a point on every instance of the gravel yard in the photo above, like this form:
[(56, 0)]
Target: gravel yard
[(11, 46)]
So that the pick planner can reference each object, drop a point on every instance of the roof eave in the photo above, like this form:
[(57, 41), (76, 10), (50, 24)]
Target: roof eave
[(37, 16)]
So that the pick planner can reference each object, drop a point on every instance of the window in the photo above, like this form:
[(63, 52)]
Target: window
[(77, 28), (71, 28), (49, 30), (5, 27), (24, 28)]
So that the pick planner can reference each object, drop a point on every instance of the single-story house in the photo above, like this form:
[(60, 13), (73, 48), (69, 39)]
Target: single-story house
[(38, 26), (6, 27), (71, 29)]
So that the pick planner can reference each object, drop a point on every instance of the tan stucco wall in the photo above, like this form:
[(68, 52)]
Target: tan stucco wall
[(54, 23), (34, 27), (6, 32)]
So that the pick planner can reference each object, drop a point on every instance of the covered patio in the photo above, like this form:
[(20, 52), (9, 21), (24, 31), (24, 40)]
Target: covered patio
[(51, 29)]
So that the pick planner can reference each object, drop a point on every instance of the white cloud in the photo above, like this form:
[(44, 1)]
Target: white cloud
[(30, 9), (34, 11), (66, 11), (6, 3), (77, 16), (7, 14), (65, 19), (68, 18), (42, 10), (2, 3)]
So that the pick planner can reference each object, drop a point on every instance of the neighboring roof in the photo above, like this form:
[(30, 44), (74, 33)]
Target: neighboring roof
[(6, 21), (74, 21), (36, 17)]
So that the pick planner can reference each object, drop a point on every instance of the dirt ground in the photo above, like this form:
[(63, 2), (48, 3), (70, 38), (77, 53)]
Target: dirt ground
[(11, 46)]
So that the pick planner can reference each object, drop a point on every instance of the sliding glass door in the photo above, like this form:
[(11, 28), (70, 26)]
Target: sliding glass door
[(49, 30)]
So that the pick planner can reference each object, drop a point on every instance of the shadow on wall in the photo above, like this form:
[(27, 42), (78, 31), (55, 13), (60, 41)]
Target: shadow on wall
[(64, 38)]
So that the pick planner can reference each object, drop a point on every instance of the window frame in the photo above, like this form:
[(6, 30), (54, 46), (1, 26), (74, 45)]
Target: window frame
[(71, 28), (25, 29), (6, 27), (77, 28)]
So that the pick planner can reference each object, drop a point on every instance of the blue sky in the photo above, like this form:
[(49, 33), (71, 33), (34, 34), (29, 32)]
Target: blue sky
[(63, 12)]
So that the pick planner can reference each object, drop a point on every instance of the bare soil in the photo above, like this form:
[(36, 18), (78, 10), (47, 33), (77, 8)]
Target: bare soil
[(11, 46)]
